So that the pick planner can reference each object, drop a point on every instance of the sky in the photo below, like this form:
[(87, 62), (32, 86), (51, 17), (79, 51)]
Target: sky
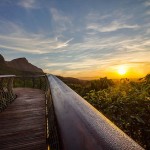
[(78, 38)]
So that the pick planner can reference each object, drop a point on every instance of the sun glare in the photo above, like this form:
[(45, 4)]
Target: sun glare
[(122, 70)]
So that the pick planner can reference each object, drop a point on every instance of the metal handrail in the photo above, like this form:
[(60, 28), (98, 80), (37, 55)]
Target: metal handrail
[(81, 126), (53, 139), (6, 91)]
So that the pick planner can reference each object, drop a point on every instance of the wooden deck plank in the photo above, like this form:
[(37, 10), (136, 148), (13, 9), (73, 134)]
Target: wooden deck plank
[(22, 124)]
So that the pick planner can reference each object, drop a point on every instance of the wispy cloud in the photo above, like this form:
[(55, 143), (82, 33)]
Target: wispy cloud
[(104, 53), (61, 22), (98, 67), (35, 44), (95, 16), (63, 44), (28, 4), (18, 39), (147, 3), (109, 22), (94, 43), (113, 26), (58, 16), (148, 12)]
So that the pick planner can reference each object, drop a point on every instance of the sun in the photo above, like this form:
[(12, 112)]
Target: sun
[(122, 70)]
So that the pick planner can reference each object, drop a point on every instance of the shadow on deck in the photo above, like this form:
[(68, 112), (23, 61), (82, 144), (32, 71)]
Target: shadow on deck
[(22, 124)]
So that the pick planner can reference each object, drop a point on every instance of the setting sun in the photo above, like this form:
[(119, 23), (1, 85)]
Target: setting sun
[(122, 71)]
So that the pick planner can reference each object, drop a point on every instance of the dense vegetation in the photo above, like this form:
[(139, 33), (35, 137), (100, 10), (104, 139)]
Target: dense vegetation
[(37, 82), (126, 103)]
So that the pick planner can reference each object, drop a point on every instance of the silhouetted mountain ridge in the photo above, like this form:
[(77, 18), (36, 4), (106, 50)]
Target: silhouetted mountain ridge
[(23, 65), (18, 66), (2, 60)]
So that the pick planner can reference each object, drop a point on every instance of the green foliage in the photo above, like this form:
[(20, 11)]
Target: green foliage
[(127, 104), (30, 82), (82, 87), (102, 83)]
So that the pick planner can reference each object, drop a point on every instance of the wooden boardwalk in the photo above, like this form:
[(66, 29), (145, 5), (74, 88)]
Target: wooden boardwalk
[(22, 124)]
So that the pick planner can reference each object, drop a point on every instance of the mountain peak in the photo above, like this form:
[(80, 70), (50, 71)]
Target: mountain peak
[(20, 60), (2, 60), (20, 64)]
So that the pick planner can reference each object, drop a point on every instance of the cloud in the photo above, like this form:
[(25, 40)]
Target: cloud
[(28, 4), (59, 16), (98, 46), (99, 53), (32, 44), (98, 58), (147, 3), (61, 22), (104, 22), (98, 67), (95, 16), (83, 64), (148, 12), (113, 26), (63, 44), (17, 39), (93, 48)]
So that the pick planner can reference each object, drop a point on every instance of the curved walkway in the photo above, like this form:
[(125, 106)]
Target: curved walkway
[(22, 124)]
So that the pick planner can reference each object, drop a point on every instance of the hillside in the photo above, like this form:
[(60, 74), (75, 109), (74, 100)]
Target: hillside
[(19, 66), (23, 65), (70, 81)]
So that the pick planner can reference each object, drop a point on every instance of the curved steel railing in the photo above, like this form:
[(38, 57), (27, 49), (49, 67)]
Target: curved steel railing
[(81, 126), (52, 135)]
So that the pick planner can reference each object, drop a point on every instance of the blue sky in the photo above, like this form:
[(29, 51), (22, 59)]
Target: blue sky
[(80, 38)]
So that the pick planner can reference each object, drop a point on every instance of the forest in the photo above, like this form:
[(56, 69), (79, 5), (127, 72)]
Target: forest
[(125, 102)]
